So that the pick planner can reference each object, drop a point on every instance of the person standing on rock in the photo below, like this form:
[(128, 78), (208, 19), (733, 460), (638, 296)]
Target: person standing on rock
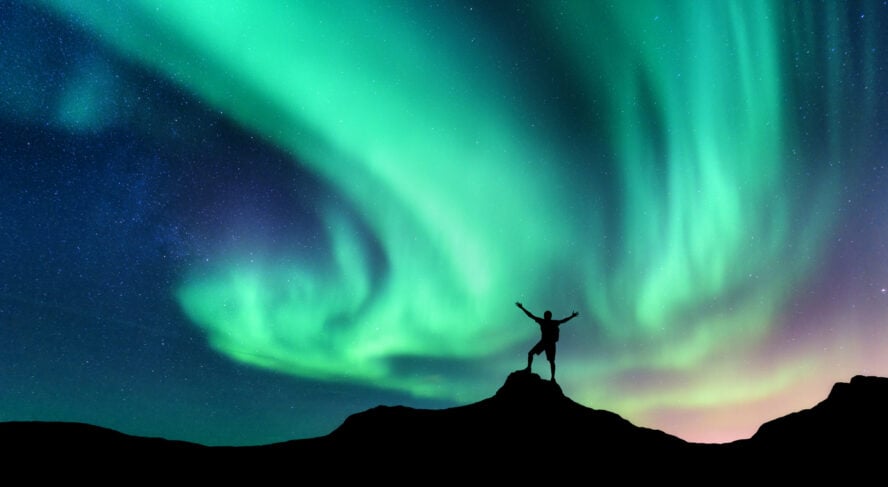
[(549, 330)]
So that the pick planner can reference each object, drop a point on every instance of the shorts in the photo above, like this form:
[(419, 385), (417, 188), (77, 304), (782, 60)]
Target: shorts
[(541, 346)]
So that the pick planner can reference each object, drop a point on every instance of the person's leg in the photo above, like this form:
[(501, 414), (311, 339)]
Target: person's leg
[(537, 349), (550, 356)]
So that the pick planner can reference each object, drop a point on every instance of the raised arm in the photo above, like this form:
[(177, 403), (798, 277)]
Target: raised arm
[(528, 313), (572, 316)]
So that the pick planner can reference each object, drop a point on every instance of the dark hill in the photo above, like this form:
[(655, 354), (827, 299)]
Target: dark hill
[(60, 438), (852, 422), (526, 414), (528, 418), (528, 430), (852, 411)]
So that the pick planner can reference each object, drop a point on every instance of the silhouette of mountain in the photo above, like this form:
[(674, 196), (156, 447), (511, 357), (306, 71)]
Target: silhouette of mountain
[(529, 429), (528, 417), (62, 438), (851, 421)]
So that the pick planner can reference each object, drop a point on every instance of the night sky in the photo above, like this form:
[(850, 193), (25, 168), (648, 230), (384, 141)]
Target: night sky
[(239, 222)]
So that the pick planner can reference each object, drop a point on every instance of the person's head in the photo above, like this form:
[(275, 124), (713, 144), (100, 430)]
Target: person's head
[(547, 315)]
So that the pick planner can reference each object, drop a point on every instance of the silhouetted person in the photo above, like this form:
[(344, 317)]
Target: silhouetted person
[(550, 332)]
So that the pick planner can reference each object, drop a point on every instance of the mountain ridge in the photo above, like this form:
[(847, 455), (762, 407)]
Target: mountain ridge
[(527, 418)]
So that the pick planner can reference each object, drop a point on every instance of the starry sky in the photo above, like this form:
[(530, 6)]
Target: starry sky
[(239, 222)]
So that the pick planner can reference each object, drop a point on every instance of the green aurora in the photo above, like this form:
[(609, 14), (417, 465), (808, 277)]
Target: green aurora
[(671, 209)]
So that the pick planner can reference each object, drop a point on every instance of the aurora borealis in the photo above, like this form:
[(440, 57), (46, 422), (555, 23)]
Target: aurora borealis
[(238, 222)]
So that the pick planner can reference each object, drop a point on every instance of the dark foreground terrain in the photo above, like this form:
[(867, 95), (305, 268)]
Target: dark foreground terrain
[(529, 430)]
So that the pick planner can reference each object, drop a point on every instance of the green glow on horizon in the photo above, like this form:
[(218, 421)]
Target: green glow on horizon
[(472, 208)]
